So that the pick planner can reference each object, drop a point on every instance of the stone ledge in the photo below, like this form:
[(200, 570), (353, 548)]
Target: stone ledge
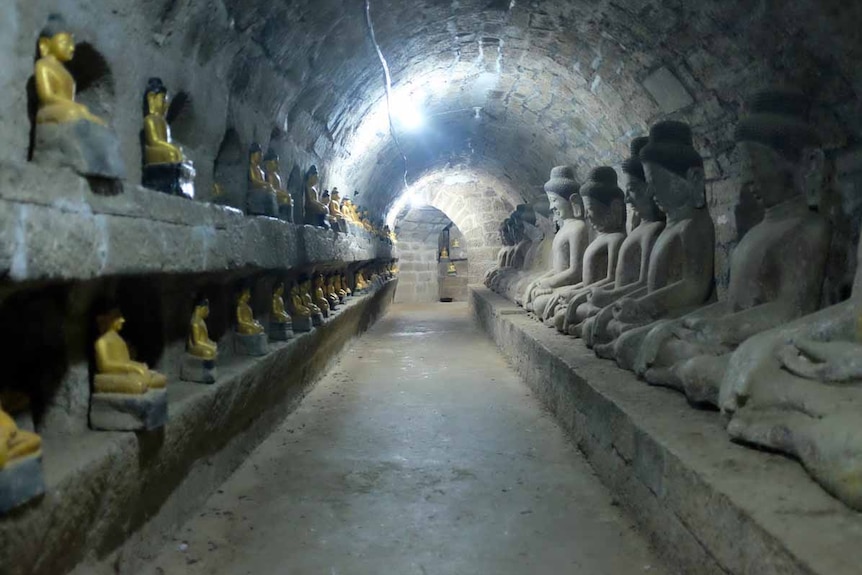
[(710, 506), (53, 228), (113, 497)]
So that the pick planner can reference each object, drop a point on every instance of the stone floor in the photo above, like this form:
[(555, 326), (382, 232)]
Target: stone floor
[(421, 452)]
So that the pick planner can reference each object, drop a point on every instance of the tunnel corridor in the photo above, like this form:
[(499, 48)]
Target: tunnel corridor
[(420, 452)]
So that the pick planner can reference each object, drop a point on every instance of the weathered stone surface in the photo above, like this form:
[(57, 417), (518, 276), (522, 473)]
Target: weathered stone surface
[(20, 482), (86, 147), (279, 331), (302, 324), (198, 370), (261, 203), (154, 481), (668, 92), (711, 506), (254, 345), (120, 412)]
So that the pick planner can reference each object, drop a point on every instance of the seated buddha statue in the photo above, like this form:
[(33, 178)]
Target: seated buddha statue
[(307, 299), (503, 254), (115, 370), (158, 147), (341, 283), (261, 200), (634, 256), (279, 313), (55, 87), (330, 292), (16, 444), (273, 178), (680, 277), (297, 305), (604, 204), (316, 214), (335, 213), (199, 344), (768, 286), (319, 295), (245, 322), (569, 245)]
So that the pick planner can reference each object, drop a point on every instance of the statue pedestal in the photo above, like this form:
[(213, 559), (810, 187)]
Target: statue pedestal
[(302, 324), (254, 345), (122, 412), (173, 179), (317, 319), (280, 331), (88, 148), (198, 370), (21, 481), (285, 212), (261, 203)]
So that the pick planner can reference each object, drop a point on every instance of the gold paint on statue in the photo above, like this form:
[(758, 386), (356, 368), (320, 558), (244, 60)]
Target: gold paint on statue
[(158, 148), (297, 303), (320, 295), (256, 175), (115, 370), (305, 289), (199, 344), (16, 443), (245, 322), (279, 314), (273, 178)]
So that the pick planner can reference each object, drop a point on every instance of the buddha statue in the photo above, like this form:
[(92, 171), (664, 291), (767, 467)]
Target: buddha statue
[(317, 316), (319, 296), (569, 245), (199, 363), (680, 276), (115, 370), (342, 285), (262, 197), (634, 255), (523, 234), (301, 314), (335, 214), (165, 167), (331, 295), (316, 214), (245, 322), (21, 477), (444, 253), (503, 256), (768, 286), (282, 197), (359, 282), (67, 133), (604, 204), (280, 322)]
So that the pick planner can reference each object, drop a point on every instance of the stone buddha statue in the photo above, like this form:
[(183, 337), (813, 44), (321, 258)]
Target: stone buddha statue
[(166, 168), (680, 276), (316, 214), (67, 133), (280, 322), (300, 313), (245, 322), (604, 203), (282, 197), (503, 256), (319, 295), (526, 237), (262, 197), (199, 363), (115, 370), (569, 245), (335, 214), (768, 286), (634, 255)]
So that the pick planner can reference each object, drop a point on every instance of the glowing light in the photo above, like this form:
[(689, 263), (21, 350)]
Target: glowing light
[(406, 113)]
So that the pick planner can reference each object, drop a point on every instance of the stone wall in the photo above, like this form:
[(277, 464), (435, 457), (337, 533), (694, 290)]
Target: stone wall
[(417, 279)]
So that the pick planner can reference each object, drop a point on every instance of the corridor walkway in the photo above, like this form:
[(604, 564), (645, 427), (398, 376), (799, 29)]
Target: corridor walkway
[(420, 453)]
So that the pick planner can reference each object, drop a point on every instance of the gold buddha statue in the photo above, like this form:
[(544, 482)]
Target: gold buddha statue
[(282, 196), (115, 370), (245, 322), (158, 148), (200, 345), (55, 87), (340, 287), (262, 197), (298, 306), (279, 314), (332, 293), (444, 253), (305, 290), (335, 211), (16, 444), (320, 299), (316, 214)]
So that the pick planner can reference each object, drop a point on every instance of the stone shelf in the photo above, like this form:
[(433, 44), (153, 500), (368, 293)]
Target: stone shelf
[(107, 488), (711, 507), (54, 228)]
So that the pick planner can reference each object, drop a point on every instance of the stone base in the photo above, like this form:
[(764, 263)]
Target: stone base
[(319, 221), (21, 481), (285, 212), (261, 203), (280, 331), (89, 149), (198, 370), (121, 412), (172, 179), (317, 319), (254, 345), (302, 324)]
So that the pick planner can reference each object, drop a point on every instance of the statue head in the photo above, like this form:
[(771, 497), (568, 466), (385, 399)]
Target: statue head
[(560, 188), (56, 41), (781, 153), (325, 198), (245, 295), (525, 213), (255, 154), (279, 289), (270, 161), (112, 320), (311, 176), (638, 193), (673, 168), (335, 196), (202, 308), (155, 98), (604, 201)]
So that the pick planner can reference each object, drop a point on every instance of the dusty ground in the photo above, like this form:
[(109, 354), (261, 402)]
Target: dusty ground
[(422, 452)]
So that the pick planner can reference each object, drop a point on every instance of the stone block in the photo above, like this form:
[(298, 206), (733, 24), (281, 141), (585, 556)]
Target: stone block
[(198, 370), (20, 482), (280, 331), (668, 91), (254, 345), (121, 412), (302, 324)]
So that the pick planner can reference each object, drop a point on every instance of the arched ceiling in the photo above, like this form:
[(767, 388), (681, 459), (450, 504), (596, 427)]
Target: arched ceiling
[(513, 88)]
